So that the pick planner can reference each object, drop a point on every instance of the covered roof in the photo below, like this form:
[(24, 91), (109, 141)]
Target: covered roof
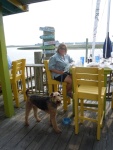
[(30, 1), (10, 7)]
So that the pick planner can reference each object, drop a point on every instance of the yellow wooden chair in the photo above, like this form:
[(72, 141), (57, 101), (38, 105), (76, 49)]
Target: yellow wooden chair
[(111, 78), (18, 75), (88, 84), (53, 85)]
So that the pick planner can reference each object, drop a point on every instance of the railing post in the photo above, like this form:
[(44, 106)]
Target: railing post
[(86, 49)]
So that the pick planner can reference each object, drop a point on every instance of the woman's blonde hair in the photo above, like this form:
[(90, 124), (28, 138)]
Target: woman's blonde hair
[(60, 47)]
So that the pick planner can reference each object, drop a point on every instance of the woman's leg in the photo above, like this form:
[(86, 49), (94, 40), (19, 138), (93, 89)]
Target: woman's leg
[(68, 80)]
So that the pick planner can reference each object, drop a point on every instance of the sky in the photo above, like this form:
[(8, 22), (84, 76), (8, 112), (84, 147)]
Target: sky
[(73, 21)]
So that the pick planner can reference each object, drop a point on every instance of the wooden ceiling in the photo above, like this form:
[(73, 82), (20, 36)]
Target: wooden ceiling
[(30, 1), (10, 7)]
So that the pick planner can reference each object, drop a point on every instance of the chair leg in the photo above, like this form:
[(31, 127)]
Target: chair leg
[(112, 101), (112, 104), (102, 112), (64, 98), (99, 121), (15, 92), (24, 89), (50, 88), (98, 132), (76, 114), (55, 87), (81, 110)]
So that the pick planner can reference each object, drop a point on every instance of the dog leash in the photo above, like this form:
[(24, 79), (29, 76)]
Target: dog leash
[(60, 86), (61, 81)]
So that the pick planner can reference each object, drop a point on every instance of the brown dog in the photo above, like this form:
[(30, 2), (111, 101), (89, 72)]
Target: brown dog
[(47, 103)]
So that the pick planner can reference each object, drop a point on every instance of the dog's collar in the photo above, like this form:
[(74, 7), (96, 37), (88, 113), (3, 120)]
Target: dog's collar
[(53, 102), (52, 99)]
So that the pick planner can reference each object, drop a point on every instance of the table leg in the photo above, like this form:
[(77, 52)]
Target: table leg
[(106, 72)]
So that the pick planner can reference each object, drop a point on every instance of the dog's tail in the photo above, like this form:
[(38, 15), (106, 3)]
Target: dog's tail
[(27, 91)]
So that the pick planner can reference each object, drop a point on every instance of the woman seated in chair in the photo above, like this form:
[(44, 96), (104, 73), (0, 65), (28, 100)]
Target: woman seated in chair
[(57, 65)]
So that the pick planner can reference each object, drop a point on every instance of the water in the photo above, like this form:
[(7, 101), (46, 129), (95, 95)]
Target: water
[(15, 54)]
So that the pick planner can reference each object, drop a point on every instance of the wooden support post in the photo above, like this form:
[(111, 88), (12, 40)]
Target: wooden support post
[(4, 73), (38, 71)]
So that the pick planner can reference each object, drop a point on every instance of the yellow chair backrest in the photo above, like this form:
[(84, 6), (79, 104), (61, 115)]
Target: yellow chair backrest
[(48, 72), (18, 74), (18, 69), (87, 76)]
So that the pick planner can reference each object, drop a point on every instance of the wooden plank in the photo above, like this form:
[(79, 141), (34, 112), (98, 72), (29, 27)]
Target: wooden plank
[(17, 129), (44, 136), (87, 141), (28, 136), (14, 135)]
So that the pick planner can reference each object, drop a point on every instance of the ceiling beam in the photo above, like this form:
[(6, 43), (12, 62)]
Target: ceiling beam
[(19, 5)]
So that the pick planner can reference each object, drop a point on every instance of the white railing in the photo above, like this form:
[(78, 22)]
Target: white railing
[(36, 78)]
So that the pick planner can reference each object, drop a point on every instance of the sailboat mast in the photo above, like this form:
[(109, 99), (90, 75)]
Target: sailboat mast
[(95, 26), (108, 21)]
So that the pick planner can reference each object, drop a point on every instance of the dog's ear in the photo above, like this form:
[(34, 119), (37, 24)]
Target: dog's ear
[(59, 92), (51, 94)]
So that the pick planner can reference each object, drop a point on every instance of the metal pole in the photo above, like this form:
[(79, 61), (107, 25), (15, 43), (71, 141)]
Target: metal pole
[(108, 20), (95, 27)]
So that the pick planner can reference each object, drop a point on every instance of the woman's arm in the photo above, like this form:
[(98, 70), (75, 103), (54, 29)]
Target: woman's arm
[(57, 71), (56, 65), (70, 59)]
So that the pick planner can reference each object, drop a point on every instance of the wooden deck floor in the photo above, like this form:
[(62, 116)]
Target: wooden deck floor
[(40, 136)]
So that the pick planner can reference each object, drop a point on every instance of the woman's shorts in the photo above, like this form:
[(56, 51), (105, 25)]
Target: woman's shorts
[(62, 77)]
